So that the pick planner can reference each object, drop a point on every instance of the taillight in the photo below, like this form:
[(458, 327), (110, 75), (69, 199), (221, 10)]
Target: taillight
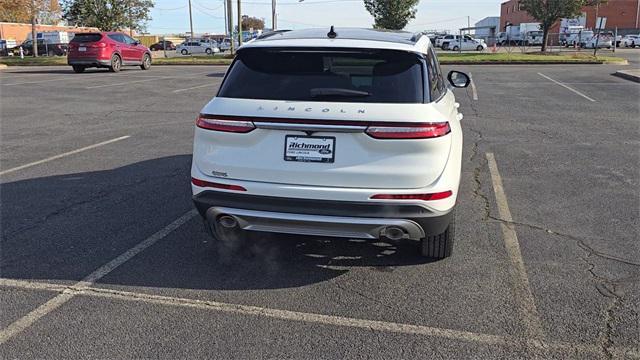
[(98, 45), (217, 124), (202, 183), (418, 131), (425, 197)]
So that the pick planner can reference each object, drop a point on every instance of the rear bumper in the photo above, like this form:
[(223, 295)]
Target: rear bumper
[(89, 62), (348, 219)]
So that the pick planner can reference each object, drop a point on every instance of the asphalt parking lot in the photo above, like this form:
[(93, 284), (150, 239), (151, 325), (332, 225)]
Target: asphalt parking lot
[(102, 255)]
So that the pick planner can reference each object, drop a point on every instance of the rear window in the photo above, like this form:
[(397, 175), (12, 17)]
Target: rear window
[(86, 38), (342, 75)]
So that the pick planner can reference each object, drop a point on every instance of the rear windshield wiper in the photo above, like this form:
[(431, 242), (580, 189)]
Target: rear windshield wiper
[(329, 92)]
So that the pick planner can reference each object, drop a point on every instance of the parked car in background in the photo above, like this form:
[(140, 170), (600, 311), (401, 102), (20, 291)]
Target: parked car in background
[(162, 45), (602, 41), (197, 47), (534, 38), (579, 38), (5, 46), (630, 41), (107, 50), (466, 44), (444, 41), (44, 48)]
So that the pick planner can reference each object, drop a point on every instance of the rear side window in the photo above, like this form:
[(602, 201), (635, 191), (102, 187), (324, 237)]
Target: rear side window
[(117, 37), (86, 38), (341, 75)]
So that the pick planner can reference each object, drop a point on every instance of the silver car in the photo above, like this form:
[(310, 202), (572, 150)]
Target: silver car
[(197, 47)]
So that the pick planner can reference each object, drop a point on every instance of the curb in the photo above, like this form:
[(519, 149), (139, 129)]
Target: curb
[(628, 75)]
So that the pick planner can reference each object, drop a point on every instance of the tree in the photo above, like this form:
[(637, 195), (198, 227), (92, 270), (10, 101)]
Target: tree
[(108, 15), (548, 12), (249, 22), (33, 11), (391, 14)]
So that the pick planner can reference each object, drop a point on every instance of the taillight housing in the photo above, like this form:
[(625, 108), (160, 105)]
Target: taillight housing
[(424, 197), (409, 131), (224, 125), (98, 45), (203, 183)]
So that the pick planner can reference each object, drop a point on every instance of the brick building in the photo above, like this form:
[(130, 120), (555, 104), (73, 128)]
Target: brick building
[(623, 14), (18, 32)]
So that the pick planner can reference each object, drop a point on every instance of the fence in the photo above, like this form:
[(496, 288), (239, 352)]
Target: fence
[(531, 42)]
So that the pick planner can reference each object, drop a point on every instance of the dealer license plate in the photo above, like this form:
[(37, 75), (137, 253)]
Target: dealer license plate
[(309, 148)]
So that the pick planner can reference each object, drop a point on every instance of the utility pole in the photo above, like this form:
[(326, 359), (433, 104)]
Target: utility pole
[(34, 34), (273, 15), (230, 25), (239, 25), (190, 22), (226, 18), (468, 21)]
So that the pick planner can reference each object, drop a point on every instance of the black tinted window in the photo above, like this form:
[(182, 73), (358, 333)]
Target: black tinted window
[(117, 37), (86, 38), (347, 75)]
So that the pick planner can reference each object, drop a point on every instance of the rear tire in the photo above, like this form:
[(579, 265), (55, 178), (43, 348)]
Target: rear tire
[(208, 51), (146, 62), (439, 246), (116, 63), (479, 48), (78, 69), (456, 48), (184, 52)]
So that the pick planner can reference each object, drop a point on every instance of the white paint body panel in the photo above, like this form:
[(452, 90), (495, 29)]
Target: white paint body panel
[(363, 166)]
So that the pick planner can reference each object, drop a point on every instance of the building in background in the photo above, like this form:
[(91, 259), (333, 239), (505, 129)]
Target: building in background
[(620, 14), (487, 29), (19, 32)]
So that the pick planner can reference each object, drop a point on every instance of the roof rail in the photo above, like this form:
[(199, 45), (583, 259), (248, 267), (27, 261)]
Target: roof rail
[(416, 37), (271, 33)]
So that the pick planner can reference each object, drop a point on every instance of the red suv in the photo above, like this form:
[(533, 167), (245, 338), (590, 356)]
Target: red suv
[(107, 49)]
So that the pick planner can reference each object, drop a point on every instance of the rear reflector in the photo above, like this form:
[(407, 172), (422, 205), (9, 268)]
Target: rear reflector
[(425, 197), (236, 126), (202, 183), (418, 131)]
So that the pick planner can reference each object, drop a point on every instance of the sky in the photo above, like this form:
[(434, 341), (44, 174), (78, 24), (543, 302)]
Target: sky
[(172, 16)]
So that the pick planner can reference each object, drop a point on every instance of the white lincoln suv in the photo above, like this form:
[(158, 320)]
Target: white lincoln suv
[(350, 133)]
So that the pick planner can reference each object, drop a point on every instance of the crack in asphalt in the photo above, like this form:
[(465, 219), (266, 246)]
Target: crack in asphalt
[(605, 286)]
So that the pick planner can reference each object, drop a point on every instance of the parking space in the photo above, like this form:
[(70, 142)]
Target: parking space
[(100, 245)]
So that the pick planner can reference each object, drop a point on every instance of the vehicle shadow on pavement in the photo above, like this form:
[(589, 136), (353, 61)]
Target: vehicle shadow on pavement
[(64, 227)]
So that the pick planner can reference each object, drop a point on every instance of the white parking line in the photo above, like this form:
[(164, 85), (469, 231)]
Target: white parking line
[(524, 297), (63, 155), (567, 87), (42, 310), (376, 325), (473, 88), (127, 82), (193, 87)]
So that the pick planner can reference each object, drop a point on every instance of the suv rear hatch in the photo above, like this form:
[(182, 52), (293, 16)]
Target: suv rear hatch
[(324, 117), (86, 45)]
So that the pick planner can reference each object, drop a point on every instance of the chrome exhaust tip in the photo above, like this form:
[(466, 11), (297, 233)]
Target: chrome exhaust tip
[(393, 233), (227, 221)]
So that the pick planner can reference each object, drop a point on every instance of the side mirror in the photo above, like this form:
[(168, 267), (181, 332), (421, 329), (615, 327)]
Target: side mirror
[(458, 79)]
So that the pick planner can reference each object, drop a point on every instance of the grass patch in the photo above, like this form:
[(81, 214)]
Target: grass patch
[(31, 61), (506, 58), (444, 57)]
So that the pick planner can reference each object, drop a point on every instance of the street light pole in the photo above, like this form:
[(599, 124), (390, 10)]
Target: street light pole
[(239, 25), (273, 15), (190, 22), (230, 25)]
